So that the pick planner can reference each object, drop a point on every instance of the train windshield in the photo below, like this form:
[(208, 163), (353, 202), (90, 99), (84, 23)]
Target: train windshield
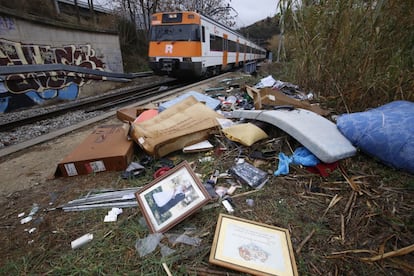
[(182, 32)]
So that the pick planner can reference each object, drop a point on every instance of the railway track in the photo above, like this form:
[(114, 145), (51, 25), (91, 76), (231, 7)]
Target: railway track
[(106, 101), (58, 126)]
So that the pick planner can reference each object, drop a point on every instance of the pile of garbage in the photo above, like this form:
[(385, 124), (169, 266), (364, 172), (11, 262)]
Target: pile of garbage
[(248, 120)]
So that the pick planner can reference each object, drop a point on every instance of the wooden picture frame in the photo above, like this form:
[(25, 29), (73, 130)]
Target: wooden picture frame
[(252, 247), (171, 198)]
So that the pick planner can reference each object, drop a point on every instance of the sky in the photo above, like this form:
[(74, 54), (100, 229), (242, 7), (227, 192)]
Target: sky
[(251, 11)]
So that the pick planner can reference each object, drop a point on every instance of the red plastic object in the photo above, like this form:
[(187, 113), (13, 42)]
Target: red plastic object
[(324, 169), (146, 115), (161, 171)]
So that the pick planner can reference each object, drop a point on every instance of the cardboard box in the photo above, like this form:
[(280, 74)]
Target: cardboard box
[(105, 149), (131, 113), (127, 114)]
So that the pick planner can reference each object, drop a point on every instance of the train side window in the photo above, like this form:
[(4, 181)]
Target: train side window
[(203, 33), (197, 34), (216, 43)]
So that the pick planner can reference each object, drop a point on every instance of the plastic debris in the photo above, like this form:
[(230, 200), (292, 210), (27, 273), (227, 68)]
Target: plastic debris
[(166, 251), (301, 156), (26, 220), (210, 190), (34, 210), (206, 159), (283, 167), (268, 81), (147, 245), (113, 215), (31, 230), (228, 206), (133, 170), (183, 238), (250, 202), (79, 242), (221, 191)]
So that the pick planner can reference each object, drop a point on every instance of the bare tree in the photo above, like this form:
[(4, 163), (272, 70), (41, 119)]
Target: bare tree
[(140, 11), (219, 10)]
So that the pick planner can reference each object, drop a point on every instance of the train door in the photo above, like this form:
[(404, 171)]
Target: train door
[(237, 51), (225, 50), (205, 47), (244, 51)]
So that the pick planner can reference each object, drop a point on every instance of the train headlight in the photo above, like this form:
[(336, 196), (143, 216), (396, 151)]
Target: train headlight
[(186, 59)]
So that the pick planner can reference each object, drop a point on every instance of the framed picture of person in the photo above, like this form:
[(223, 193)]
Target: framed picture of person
[(171, 198), (252, 247)]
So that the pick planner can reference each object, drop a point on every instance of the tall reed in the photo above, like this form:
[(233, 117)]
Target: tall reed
[(357, 54)]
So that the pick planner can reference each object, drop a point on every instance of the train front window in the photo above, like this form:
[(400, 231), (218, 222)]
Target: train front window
[(182, 32)]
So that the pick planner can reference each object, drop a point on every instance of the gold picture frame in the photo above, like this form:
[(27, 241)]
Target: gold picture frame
[(252, 247), (171, 198)]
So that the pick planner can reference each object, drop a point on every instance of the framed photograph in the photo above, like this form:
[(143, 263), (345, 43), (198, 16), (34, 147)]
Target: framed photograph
[(171, 198), (252, 247)]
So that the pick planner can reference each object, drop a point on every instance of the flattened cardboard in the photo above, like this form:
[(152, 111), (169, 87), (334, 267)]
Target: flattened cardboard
[(183, 124), (268, 96), (105, 149)]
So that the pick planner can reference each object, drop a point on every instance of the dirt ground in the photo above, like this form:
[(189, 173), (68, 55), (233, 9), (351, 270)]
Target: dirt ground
[(33, 167), (335, 222)]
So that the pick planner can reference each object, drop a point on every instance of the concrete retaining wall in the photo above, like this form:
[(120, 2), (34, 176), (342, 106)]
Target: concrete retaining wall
[(39, 43), (16, 33)]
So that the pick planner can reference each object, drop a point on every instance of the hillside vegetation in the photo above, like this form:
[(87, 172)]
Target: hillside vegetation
[(262, 31)]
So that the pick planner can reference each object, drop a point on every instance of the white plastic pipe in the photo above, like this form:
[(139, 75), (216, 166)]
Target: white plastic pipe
[(79, 242)]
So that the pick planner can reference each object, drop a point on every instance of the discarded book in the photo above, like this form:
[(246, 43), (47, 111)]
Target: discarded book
[(249, 174)]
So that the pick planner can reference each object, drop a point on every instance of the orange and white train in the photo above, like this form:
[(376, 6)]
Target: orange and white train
[(189, 44)]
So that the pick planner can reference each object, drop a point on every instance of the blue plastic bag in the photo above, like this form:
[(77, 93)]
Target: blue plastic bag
[(283, 167), (301, 156), (386, 132)]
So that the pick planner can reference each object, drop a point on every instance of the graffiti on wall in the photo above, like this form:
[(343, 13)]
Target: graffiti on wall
[(26, 89), (6, 24)]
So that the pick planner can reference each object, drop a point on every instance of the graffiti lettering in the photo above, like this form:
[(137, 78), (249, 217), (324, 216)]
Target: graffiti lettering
[(15, 53), (41, 81), (36, 85)]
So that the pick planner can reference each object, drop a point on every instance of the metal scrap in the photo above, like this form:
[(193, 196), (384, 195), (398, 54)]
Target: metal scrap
[(103, 199)]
